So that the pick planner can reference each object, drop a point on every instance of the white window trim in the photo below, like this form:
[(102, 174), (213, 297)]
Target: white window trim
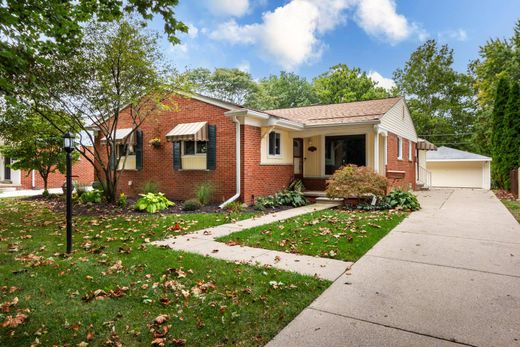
[(195, 148), (409, 150), (400, 148), (269, 155)]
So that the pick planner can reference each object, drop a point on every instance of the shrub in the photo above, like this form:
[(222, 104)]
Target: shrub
[(234, 207), (403, 200), (123, 200), (204, 192), (150, 187), (96, 185), (284, 198), (93, 197), (191, 205), (354, 181), (80, 188), (152, 202)]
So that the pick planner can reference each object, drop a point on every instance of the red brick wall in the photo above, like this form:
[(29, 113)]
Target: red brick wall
[(82, 172), (158, 162), (257, 179), (401, 165)]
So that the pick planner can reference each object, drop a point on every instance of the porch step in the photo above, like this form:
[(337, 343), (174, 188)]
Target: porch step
[(325, 200), (314, 193), (421, 186)]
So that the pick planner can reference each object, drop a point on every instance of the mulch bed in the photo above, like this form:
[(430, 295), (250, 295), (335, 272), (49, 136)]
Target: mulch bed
[(58, 205)]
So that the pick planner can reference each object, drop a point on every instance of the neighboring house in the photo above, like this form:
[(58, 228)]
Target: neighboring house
[(248, 153), (82, 171), (451, 167)]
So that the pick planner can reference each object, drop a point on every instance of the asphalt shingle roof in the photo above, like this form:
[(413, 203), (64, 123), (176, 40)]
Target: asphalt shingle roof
[(344, 113), (447, 153)]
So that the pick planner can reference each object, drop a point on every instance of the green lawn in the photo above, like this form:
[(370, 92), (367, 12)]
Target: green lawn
[(514, 207), (338, 234), (115, 287)]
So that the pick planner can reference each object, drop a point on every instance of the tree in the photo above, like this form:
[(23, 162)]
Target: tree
[(232, 85), (342, 84), (498, 58), (500, 110), (283, 91), (511, 134), (117, 74), (34, 143), (32, 30), (439, 98)]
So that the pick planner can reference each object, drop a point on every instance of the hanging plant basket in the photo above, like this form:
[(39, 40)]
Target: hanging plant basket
[(155, 142)]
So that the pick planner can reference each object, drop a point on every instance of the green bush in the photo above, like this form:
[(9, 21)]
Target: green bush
[(96, 185), (94, 197), (234, 207), (284, 198), (152, 203), (398, 198), (123, 200), (204, 192), (80, 187), (191, 205), (355, 181), (150, 187)]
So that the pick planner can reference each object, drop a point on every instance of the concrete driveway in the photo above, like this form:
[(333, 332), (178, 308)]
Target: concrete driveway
[(448, 275)]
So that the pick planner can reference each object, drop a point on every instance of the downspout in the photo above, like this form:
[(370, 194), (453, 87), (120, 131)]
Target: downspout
[(33, 180), (238, 164)]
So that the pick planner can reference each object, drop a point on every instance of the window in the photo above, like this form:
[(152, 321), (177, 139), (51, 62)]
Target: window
[(195, 147), (274, 143), (124, 150), (409, 150), (399, 148)]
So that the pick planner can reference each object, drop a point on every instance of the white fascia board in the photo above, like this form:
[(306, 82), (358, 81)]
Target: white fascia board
[(285, 123), (246, 112), (453, 160), (207, 100), (342, 124)]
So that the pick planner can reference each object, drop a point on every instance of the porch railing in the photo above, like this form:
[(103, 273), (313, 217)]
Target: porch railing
[(425, 177)]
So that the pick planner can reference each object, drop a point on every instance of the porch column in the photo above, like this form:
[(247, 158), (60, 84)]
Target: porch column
[(376, 148)]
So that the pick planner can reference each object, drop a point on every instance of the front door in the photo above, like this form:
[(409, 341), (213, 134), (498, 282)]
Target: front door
[(298, 158), (7, 169), (343, 150)]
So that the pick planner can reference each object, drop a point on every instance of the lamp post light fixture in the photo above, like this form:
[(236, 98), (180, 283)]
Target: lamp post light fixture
[(68, 146)]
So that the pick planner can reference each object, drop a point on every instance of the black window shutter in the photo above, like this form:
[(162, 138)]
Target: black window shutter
[(211, 156), (177, 163), (139, 149)]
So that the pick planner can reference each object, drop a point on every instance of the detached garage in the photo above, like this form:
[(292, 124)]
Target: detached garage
[(451, 167)]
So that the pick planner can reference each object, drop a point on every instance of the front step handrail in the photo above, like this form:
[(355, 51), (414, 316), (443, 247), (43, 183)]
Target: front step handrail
[(425, 177)]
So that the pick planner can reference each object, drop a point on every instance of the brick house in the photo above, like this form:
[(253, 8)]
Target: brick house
[(10, 179), (247, 153)]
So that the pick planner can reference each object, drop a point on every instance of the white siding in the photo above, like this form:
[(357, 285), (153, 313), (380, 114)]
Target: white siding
[(398, 121)]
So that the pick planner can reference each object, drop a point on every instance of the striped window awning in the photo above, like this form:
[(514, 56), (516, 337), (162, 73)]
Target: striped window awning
[(120, 136), (197, 131), (424, 145)]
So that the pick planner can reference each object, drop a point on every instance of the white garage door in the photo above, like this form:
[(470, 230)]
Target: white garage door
[(461, 174)]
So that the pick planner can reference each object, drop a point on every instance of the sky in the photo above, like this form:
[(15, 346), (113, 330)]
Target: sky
[(307, 37)]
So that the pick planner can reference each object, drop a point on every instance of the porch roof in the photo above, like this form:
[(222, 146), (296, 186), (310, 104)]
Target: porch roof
[(351, 112)]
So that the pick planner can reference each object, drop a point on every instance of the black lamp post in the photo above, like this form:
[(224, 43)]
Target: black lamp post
[(68, 146)]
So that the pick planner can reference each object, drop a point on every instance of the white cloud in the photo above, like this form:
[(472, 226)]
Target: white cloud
[(291, 33), (244, 66), (381, 81), (193, 31), (288, 34), (379, 18), (179, 49), (235, 8), (457, 35)]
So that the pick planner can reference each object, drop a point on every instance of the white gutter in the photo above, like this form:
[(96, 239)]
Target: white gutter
[(237, 145)]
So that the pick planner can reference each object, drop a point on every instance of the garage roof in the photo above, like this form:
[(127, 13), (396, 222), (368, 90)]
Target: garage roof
[(451, 154)]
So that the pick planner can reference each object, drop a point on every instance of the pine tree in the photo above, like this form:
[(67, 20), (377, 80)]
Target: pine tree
[(499, 114)]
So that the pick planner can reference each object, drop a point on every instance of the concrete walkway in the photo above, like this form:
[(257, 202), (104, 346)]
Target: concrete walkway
[(28, 192), (203, 242), (448, 275)]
